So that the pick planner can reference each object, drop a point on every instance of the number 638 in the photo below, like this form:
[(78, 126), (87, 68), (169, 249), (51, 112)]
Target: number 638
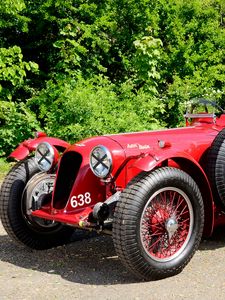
[(80, 200)]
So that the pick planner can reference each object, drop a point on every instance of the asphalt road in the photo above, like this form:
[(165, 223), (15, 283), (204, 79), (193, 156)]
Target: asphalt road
[(90, 269)]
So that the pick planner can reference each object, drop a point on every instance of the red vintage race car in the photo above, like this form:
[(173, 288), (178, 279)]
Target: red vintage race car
[(156, 192)]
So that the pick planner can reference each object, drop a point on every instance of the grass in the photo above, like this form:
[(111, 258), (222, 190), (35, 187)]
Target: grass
[(4, 168)]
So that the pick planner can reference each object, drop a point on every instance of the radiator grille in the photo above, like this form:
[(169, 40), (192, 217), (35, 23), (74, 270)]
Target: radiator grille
[(67, 173)]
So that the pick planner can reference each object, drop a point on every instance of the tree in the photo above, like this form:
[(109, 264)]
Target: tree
[(67, 61)]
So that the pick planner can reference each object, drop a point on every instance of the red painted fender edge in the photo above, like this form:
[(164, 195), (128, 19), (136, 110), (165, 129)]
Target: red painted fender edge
[(28, 146)]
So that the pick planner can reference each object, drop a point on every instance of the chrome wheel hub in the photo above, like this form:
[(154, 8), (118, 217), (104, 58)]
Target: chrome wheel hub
[(171, 227)]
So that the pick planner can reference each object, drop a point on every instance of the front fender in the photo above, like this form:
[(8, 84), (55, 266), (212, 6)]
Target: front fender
[(28, 146), (149, 162)]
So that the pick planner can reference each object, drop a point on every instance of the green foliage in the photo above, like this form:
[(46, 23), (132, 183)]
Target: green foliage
[(146, 61), (11, 15), (13, 71), (17, 123), (193, 35), (90, 67), (4, 168), (93, 107)]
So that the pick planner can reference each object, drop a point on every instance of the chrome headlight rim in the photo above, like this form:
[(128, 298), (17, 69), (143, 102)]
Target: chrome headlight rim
[(108, 155), (47, 156)]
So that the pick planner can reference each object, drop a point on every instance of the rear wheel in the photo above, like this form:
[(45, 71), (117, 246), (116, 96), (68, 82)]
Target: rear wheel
[(16, 200), (215, 167), (158, 223)]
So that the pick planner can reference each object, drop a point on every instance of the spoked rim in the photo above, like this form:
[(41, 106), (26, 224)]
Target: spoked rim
[(166, 224)]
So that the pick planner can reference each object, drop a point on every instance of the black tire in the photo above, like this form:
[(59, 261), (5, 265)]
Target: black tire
[(215, 167), (144, 235), (13, 217)]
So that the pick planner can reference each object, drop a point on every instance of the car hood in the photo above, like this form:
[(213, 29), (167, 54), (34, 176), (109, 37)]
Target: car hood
[(182, 138)]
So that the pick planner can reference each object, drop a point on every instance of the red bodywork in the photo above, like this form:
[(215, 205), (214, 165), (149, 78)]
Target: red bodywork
[(132, 153), (28, 146)]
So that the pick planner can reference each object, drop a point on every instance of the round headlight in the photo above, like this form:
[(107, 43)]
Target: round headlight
[(44, 156), (101, 161)]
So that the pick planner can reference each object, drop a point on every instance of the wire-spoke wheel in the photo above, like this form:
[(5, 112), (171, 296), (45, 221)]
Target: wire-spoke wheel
[(158, 223), (166, 224)]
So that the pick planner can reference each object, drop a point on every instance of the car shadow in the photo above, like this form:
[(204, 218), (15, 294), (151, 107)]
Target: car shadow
[(89, 261), (216, 241)]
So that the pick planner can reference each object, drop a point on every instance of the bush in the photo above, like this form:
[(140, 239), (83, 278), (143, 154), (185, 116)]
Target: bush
[(85, 108), (17, 123)]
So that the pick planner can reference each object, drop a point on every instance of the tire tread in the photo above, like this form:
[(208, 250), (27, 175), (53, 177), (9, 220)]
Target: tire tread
[(124, 237)]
